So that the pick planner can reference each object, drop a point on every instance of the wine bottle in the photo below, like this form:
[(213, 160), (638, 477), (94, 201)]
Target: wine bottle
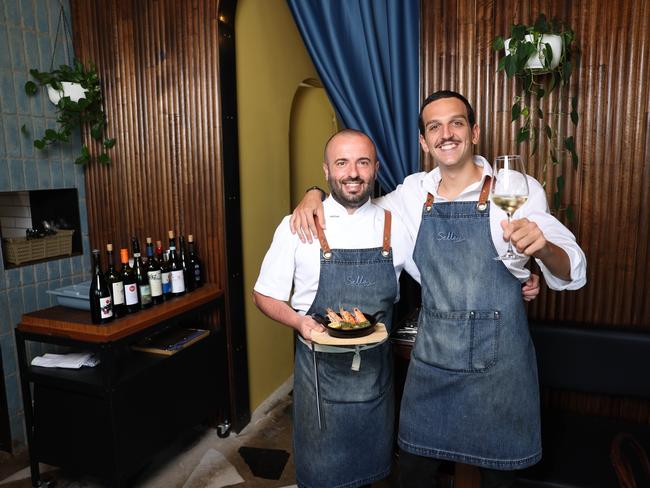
[(115, 284), (194, 263), (130, 286), (175, 268), (189, 283), (101, 303), (154, 274), (165, 272), (141, 278)]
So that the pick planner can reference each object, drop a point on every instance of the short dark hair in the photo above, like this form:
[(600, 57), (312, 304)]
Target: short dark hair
[(471, 118)]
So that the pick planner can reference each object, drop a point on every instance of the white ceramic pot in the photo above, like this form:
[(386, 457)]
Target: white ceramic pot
[(73, 90), (535, 61)]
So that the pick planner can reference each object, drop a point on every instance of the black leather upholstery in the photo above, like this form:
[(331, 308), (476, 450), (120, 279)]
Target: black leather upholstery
[(576, 448)]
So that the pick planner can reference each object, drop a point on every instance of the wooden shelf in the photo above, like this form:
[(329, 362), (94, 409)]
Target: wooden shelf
[(75, 324)]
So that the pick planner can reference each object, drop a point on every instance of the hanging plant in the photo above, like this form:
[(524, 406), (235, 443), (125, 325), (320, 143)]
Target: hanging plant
[(76, 92), (74, 112), (542, 58)]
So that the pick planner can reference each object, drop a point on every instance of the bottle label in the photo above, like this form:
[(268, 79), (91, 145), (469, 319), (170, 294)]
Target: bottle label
[(131, 294), (178, 282), (145, 294), (155, 281), (165, 279), (118, 293), (197, 273), (106, 307)]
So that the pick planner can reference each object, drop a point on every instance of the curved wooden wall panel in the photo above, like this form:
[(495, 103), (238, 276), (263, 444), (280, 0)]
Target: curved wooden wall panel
[(158, 61), (611, 188)]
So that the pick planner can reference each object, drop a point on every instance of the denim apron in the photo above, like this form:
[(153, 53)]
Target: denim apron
[(471, 392), (354, 445)]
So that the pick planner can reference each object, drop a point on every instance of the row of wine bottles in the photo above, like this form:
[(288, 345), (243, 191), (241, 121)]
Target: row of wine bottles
[(148, 282)]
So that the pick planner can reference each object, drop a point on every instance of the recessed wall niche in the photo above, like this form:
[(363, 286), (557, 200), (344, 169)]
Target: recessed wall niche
[(39, 225)]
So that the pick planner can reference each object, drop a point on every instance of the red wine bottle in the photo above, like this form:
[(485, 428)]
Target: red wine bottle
[(130, 287), (194, 263), (154, 274), (101, 303), (175, 268), (141, 278), (115, 284)]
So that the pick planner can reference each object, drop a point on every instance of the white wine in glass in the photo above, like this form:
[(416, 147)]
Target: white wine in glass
[(509, 190)]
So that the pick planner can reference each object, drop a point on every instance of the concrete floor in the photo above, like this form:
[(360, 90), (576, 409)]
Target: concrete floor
[(199, 460)]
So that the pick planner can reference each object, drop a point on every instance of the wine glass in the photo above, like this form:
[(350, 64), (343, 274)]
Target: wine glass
[(509, 190)]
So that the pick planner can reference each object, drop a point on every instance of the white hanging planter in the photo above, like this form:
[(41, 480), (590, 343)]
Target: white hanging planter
[(69, 89), (536, 61)]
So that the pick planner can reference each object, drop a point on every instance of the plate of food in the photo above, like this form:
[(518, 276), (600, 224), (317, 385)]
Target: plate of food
[(347, 324)]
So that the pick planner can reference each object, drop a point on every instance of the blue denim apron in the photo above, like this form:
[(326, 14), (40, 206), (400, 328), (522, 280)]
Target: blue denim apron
[(354, 446), (471, 392)]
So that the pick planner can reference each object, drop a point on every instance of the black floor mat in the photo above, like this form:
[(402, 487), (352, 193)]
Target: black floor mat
[(265, 463)]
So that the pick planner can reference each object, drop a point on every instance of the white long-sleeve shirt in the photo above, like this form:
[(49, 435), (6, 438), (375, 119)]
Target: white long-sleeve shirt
[(407, 201), (290, 263)]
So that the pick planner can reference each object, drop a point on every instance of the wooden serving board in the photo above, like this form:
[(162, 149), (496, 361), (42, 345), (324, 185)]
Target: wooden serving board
[(378, 335)]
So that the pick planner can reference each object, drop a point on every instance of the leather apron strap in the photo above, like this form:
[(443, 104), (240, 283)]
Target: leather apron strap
[(481, 205), (385, 247)]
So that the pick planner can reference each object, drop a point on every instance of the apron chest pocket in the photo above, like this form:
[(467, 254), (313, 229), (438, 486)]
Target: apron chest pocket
[(463, 341)]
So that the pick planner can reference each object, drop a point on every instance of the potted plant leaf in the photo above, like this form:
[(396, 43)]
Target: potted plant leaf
[(542, 58), (76, 92)]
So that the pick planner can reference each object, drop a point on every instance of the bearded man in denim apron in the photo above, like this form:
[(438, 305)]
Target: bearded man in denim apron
[(471, 393), (344, 422)]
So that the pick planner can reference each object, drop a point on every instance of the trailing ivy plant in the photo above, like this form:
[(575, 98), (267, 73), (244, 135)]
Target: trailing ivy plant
[(86, 112), (535, 84)]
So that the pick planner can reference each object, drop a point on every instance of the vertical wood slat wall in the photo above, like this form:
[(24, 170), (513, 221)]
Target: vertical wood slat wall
[(611, 188), (158, 61)]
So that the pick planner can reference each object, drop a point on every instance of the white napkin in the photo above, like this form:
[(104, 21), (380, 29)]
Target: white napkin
[(73, 360)]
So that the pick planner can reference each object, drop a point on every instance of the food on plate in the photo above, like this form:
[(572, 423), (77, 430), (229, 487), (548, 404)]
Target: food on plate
[(346, 321)]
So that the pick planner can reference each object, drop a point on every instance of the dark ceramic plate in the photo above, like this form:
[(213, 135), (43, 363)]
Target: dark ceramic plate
[(348, 333)]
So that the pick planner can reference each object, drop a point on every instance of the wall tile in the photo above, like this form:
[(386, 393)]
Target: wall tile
[(40, 272), (5, 179), (7, 92), (5, 317), (29, 298), (42, 296), (54, 269), (32, 51), (27, 13), (12, 13), (56, 170), (16, 309), (42, 24), (8, 360), (26, 140), (12, 141), (13, 277), (17, 174), (13, 388), (23, 105), (66, 267), (44, 176), (27, 274), (5, 54), (16, 47)]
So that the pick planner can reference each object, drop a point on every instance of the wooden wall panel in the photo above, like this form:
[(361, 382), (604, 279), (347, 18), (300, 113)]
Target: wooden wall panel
[(159, 65), (611, 188)]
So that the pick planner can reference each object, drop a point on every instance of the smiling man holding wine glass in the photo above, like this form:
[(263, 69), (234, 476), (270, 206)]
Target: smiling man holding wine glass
[(471, 392)]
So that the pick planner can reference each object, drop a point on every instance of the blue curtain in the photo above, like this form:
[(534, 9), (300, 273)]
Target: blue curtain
[(366, 53)]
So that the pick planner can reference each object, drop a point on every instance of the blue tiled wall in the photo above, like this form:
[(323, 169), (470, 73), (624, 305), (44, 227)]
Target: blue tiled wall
[(27, 32)]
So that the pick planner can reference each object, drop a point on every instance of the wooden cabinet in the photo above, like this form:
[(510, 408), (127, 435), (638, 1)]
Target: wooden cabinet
[(109, 420)]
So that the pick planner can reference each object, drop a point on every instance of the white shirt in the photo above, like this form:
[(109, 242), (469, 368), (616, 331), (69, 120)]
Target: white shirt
[(290, 262), (407, 201)]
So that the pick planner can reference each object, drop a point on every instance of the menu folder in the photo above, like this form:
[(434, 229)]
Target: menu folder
[(170, 341)]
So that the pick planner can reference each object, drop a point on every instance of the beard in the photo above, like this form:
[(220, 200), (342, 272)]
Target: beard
[(346, 199)]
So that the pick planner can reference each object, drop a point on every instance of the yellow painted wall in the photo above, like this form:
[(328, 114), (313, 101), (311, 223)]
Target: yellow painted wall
[(272, 62)]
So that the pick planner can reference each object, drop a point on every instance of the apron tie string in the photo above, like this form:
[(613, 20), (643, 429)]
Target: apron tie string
[(356, 360)]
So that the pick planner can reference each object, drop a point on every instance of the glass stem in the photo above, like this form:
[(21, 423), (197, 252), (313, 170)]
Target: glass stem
[(510, 251)]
